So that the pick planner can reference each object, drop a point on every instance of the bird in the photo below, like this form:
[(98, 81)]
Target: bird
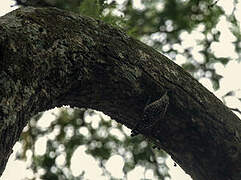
[(153, 113)]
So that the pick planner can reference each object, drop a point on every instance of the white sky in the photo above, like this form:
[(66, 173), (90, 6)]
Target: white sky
[(230, 72)]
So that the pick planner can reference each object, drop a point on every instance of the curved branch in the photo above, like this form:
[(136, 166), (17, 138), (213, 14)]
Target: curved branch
[(50, 57)]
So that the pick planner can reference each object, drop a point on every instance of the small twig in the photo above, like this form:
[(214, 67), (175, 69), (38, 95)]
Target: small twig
[(213, 4), (235, 109)]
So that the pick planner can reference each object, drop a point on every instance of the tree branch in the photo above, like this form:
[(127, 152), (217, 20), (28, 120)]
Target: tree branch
[(50, 57)]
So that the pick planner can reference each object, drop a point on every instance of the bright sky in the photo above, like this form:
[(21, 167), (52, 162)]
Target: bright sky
[(230, 73)]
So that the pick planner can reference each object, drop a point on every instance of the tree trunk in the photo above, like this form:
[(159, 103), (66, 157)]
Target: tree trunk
[(50, 58)]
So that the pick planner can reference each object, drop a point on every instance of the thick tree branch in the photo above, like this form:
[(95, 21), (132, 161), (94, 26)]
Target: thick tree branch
[(50, 57)]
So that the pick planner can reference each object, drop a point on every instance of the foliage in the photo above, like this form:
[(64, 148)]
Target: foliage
[(71, 129)]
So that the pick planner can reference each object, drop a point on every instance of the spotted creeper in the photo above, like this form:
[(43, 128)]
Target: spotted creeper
[(153, 113)]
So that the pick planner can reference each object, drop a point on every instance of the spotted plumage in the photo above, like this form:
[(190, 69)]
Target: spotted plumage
[(153, 113)]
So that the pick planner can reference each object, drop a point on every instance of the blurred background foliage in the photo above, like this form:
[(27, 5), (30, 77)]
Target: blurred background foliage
[(101, 136), (160, 24)]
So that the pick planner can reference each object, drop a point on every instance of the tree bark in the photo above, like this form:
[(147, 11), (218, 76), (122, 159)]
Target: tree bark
[(50, 58)]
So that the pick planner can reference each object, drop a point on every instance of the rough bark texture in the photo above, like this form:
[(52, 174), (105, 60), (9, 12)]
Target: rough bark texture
[(49, 58)]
